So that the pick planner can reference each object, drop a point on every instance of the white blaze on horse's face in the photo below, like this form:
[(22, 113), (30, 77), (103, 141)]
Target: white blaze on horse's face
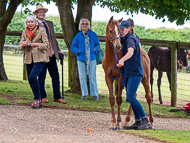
[(116, 30), (116, 42)]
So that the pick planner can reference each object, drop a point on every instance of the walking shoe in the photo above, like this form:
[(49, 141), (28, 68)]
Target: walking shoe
[(187, 104), (60, 101), (84, 97), (133, 127), (44, 100), (96, 98), (145, 124), (37, 104)]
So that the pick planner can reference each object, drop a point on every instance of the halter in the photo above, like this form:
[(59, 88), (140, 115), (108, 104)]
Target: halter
[(114, 66), (113, 38)]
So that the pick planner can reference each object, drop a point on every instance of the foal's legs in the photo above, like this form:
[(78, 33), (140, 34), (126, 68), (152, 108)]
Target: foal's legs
[(128, 116), (109, 83), (169, 78), (151, 79), (145, 82), (119, 102), (158, 84)]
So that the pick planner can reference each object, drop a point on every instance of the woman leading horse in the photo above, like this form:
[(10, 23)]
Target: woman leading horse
[(132, 62)]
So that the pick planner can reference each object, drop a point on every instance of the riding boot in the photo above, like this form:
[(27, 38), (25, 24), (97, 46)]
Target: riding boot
[(145, 124), (133, 127)]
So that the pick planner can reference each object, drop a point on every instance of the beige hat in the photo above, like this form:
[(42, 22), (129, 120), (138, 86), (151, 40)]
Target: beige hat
[(39, 7)]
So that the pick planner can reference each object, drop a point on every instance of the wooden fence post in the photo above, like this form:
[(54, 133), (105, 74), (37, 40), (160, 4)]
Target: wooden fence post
[(173, 74)]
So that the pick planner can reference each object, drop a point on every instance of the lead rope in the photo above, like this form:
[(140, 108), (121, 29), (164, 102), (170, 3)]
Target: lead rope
[(113, 68)]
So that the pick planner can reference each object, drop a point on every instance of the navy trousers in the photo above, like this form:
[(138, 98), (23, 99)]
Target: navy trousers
[(33, 71), (54, 74)]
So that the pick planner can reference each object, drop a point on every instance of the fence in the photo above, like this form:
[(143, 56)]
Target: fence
[(171, 44)]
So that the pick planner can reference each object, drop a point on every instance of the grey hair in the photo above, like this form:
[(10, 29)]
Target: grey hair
[(80, 23), (30, 18)]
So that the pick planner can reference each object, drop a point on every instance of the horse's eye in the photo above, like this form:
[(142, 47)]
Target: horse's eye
[(110, 31)]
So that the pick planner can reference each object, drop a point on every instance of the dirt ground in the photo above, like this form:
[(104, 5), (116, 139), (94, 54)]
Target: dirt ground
[(53, 124)]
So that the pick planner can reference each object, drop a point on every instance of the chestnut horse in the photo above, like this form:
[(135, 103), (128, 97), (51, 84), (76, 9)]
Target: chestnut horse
[(113, 44)]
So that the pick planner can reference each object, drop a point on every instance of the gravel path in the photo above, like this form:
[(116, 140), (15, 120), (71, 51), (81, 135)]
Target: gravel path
[(22, 124)]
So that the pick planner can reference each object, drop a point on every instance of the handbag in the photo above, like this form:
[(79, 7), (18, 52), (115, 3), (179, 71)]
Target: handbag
[(99, 56)]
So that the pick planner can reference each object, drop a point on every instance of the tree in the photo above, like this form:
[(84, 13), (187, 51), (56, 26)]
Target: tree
[(174, 9), (178, 10), (6, 14)]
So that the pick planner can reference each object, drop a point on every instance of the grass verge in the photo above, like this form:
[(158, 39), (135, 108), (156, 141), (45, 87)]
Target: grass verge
[(177, 136)]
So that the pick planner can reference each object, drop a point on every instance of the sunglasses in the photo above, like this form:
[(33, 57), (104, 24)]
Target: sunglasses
[(84, 23)]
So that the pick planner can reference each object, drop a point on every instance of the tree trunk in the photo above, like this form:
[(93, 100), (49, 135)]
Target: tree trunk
[(3, 75), (70, 29), (5, 18)]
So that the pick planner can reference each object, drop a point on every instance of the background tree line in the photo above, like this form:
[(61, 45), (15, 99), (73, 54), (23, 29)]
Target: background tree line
[(182, 35)]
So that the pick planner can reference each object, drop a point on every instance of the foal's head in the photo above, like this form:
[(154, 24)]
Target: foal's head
[(113, 33), (182, 57)]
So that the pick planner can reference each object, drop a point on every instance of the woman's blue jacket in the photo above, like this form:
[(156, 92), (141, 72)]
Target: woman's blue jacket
[(78, 45)]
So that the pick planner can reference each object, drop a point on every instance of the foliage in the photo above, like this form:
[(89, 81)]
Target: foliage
[(4, 101), (178, 10)]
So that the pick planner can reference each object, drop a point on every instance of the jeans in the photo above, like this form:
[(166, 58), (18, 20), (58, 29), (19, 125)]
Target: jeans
[(132, 84), (33, 71), (92, 78), (54, 74)]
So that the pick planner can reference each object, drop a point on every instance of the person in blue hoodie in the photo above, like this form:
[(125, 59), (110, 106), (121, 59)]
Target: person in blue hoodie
[(133, 74), (86, 45)]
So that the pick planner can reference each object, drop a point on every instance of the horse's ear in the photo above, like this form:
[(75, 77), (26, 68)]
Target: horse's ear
[(111, 19), (120, 20)]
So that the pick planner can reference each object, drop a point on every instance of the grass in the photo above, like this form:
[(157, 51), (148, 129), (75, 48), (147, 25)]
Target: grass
[(4, 101), (21, 92), (176, 136), (182, 87)]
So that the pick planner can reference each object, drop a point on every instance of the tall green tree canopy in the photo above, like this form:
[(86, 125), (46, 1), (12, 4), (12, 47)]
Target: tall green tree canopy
[(178, 10)]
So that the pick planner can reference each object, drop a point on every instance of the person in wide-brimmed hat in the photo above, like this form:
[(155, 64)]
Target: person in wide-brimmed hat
[(39, 7), (53, 53)]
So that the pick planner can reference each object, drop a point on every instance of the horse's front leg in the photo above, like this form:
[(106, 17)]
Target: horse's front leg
[(119, 102), (109, 83), (158, 84)]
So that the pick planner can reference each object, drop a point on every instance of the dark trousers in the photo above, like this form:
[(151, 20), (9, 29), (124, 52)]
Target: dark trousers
[(54, 74), (33, 71)]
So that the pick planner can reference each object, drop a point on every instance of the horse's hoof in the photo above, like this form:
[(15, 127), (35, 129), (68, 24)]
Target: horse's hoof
[(117, 128), (111, 128)]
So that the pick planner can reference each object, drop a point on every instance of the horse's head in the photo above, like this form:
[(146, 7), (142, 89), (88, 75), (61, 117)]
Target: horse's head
[(113, 33), (182, 57)]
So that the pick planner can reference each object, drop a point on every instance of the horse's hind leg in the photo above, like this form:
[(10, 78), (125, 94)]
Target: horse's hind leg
[(128, 116), (169, 78), (158, 84), (151, 79), (109, 83), (145, 82)]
